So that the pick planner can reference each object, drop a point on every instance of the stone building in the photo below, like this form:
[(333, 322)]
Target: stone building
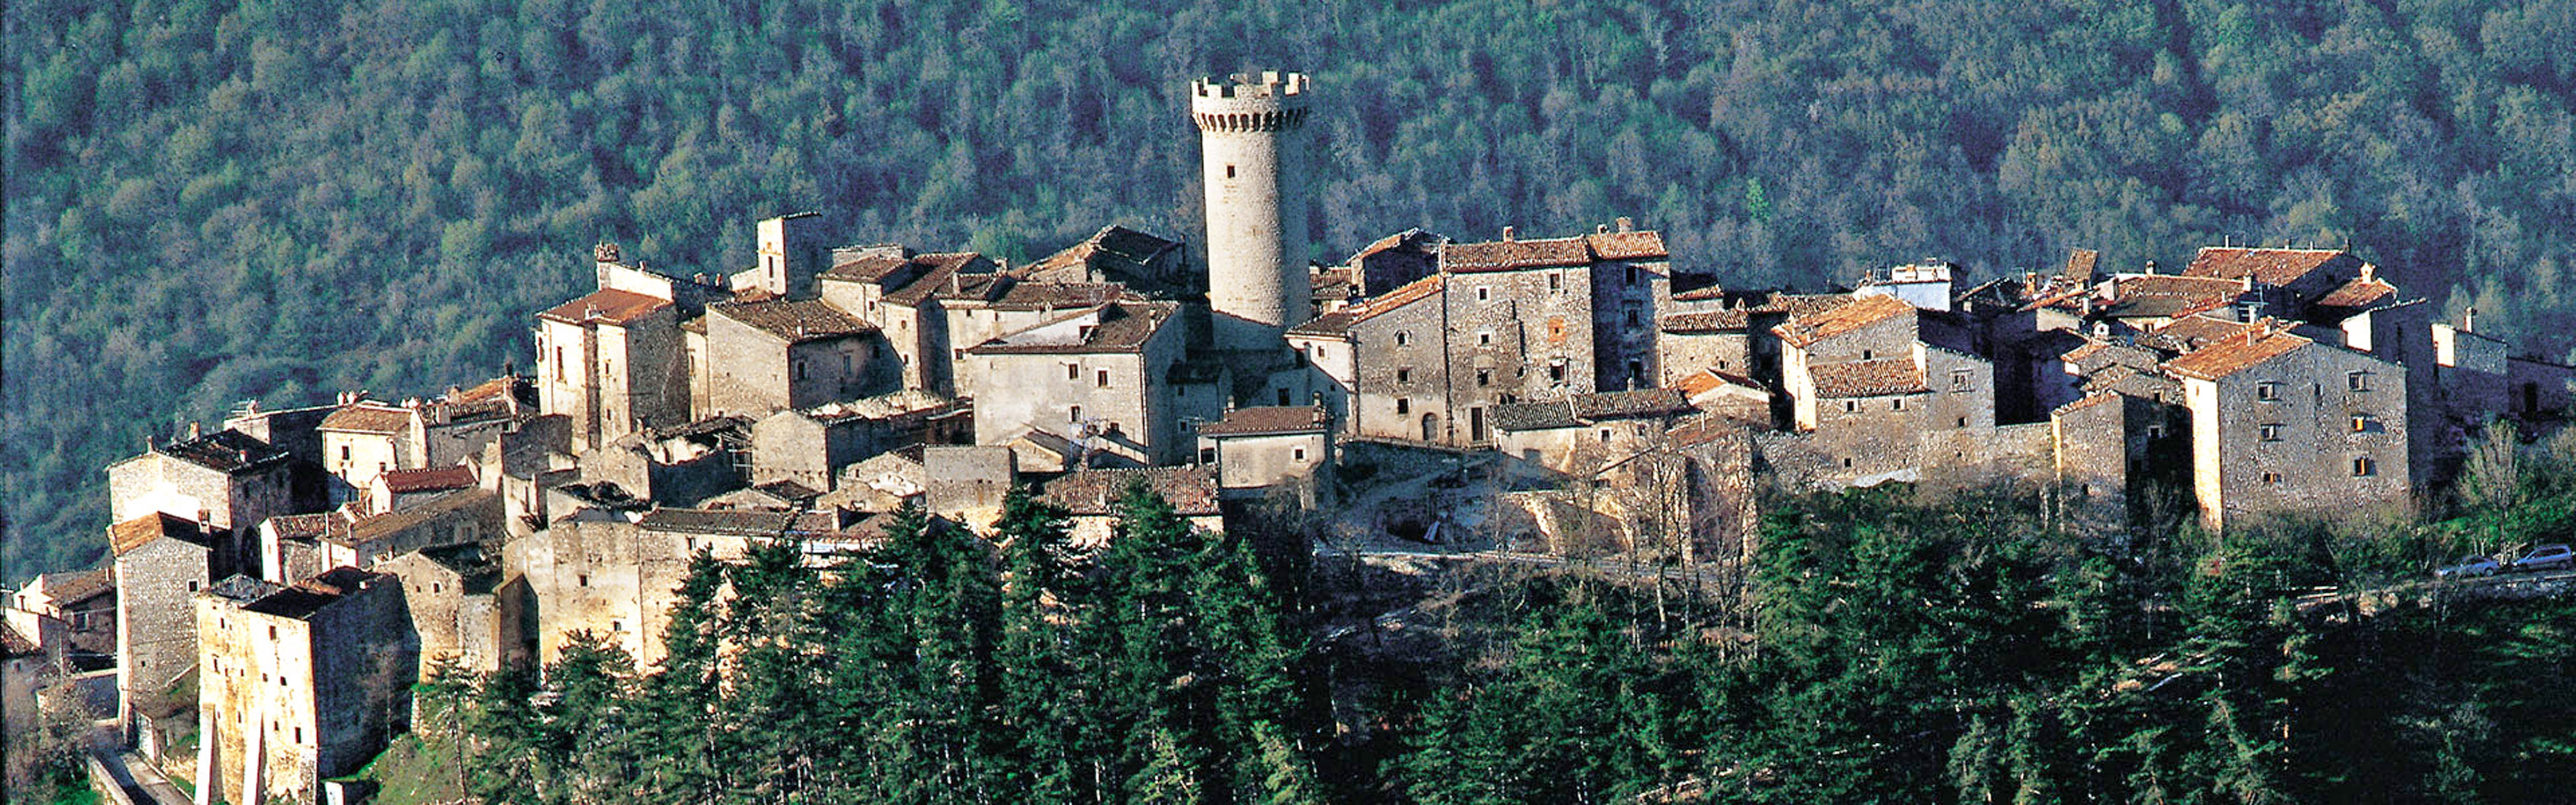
[(396, 490), (1875, 394), (1090, 498), (595, 570), (898, 292), (81, 606), (226, 479), (1258, 449), (1585, 434), (161, 562), (451, 594), (366, 438), (1116, 254), (966, 484), (778, 354), (1100, 377), (300, 683), (614, 363), (791, 254), (1253, 164), (2282, 423), (459, 517)]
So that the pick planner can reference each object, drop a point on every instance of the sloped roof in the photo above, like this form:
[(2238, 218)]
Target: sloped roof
[(224, 451), (2360, 292), (1508, 255), (1405, 294), (1033, 295), (1868, 378), (1416, 240), (1804, 330), (427, 479), (1576, 409), (369, 418), (123, 538), (939, 271), (378, 526), (2079, 266), (1335, 323), (72, 587), (2228, 356), (796, 320), (1528, 416), (2267, 266), (1269, 419), (607, 306), (1647, 245), (1124, 326), (2087, 401), (737, 522), (309, 596), (1190, 489), (2193, 332)]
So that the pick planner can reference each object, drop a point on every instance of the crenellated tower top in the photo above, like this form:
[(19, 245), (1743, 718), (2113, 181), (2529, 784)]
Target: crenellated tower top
[(1271, 101)]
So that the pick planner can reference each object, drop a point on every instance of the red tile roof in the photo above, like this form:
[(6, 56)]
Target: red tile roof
[(1190, 489), (124, 537), (430, 479), (1627, 245), (1267, 420), (2228, 356), (1868, 378), (2361, 292), (369, 418), (607, 306), (1508, 255), (2267, 266), (1807, 329), (1124, 326), (2079, 266)]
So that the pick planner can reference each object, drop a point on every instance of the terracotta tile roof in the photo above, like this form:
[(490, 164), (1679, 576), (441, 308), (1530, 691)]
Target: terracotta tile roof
[(1741, 316), (2171, 286), (789, 491), (1703, 429), (796, 320), (1646, 245), (1628, 404), (369, 418), (1712, 321), (1707, 380), (1123, 326), (2360, 292), (303, 526), (867, 267), (124, 537), (1407, 294), (76, 586), (1267, 420), (1090, 493), (1868, 378), (379, 526), (2079, 266), (2267, 266), (1509, 255), (309, 596), (499, 388), (607, 306), (2231, 355), (427, 479), (1806, 329), (224, 451), (2192, 332), (1335, 323), (2087, 401), (2071, 299), (1415, 239), (967, 270), (2087, 350), (1026, 295), (14, 645), (1701, 294), (1115, 244)]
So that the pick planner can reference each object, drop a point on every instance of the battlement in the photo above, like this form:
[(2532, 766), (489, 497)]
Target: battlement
[(1272, 101)]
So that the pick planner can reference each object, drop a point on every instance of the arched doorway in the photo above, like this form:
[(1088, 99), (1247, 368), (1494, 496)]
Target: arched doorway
[(1431, 427)]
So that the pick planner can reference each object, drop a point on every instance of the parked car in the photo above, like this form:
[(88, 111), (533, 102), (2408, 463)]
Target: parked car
[(2553, 556), (2467, 567)]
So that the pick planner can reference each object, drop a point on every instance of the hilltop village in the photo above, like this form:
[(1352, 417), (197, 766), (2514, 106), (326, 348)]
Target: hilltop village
[(281, 580)]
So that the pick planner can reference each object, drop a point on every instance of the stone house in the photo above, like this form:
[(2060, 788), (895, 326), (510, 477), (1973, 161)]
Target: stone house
[(614, 363), (966, 484), (2283, 423), (892, 288), (1099, 377), (1879, 401), (2281, 283), (81, 604), (300, 683), (225, 479), (1116, 254), (450, 595), (1382, 365), (460, 517), (1090, 499), (364, 439), (777, 354), (1585, 434), (791, 253), (161, 562), (1255, 449), (598, 571)]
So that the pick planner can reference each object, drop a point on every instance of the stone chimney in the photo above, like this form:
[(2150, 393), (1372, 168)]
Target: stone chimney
[(1627, 224), (193, 430), (2151, 267), (1508, 232), (2469, 321)]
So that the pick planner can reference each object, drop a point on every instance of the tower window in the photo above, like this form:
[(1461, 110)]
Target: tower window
[(2267, 391), (1555, 282), (1401, 337), (1073, 414), (1102, 379), (2269, 433), (1073, 371), (1229, 171), (2357, 381), (1404, 374)]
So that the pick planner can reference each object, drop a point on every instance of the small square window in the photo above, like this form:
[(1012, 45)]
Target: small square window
[(1897, 404), (1073, 414), (1484, 337), (2360, 423), (1851, 406), (1484, 377), (1605, 435), (582, 579), (1298, 454), (1556, 372), (1959, 379), (2267, 391), (2363, 467), (2357, 381), (1403, 405), (2271, 477), (1229, 171), (1963, 422), (1103, 379), (1868, 354), (2269, 433), (192, 585), (1482, 294), (1404, 374), (1555, 282)]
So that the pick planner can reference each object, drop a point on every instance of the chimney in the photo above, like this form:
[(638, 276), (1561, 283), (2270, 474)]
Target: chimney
[(2469, 321), (1627, 224), (2151, 267), (193, 431), (2369, 272), (1507, 233), (1600, 229)]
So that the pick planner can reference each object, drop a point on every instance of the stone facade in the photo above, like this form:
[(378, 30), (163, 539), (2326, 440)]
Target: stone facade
[(301, 683), (449, 593), (780, 354), (226, 479), (614, 363), (161, 562), (1099, 376), (1256, 449), (2281, 423), (1252, 164)]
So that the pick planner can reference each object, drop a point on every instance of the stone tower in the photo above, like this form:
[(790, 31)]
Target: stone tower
[(1252, 162)]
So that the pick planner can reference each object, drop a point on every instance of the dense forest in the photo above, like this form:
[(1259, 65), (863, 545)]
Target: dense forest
[(1897, 646), (212, 201)]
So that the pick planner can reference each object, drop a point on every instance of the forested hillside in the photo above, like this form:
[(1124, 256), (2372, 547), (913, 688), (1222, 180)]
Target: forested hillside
[(210, 201)]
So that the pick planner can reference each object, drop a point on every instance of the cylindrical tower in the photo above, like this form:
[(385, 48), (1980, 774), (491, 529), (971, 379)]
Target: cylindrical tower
[(1252, 162)]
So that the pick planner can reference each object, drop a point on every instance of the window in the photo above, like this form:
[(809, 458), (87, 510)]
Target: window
[(272, 631), (2357, 381), (1404, 374), (1555, 281), (1073, 371), (1963, 422), (1073, 414), (1484, 337), (1207, 455), (344, 452), (1866, 354), (800, 370), (1297, 454), (2363, 467), (1897, 404), (559, 370), (1605, 435), (2271, 477), (1959, 379), (2269, 433), (1847, 462), (1484, 377), (1102, 379), (1851, 406), (1401, 337), (299, 734), (435, 587), (1556, 371), (192, 585), (1632, 275), (617, 626), (845, 363), (1483, 293), (583, 579), (957, 354), (1403, 405), (1229, 171), (2362, 423), (1628, 313), (2267, 391)]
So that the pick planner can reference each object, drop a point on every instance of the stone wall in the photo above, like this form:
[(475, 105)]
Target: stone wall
[(2300, 447), (1513, 336), (156, 631), (1403, 374)]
